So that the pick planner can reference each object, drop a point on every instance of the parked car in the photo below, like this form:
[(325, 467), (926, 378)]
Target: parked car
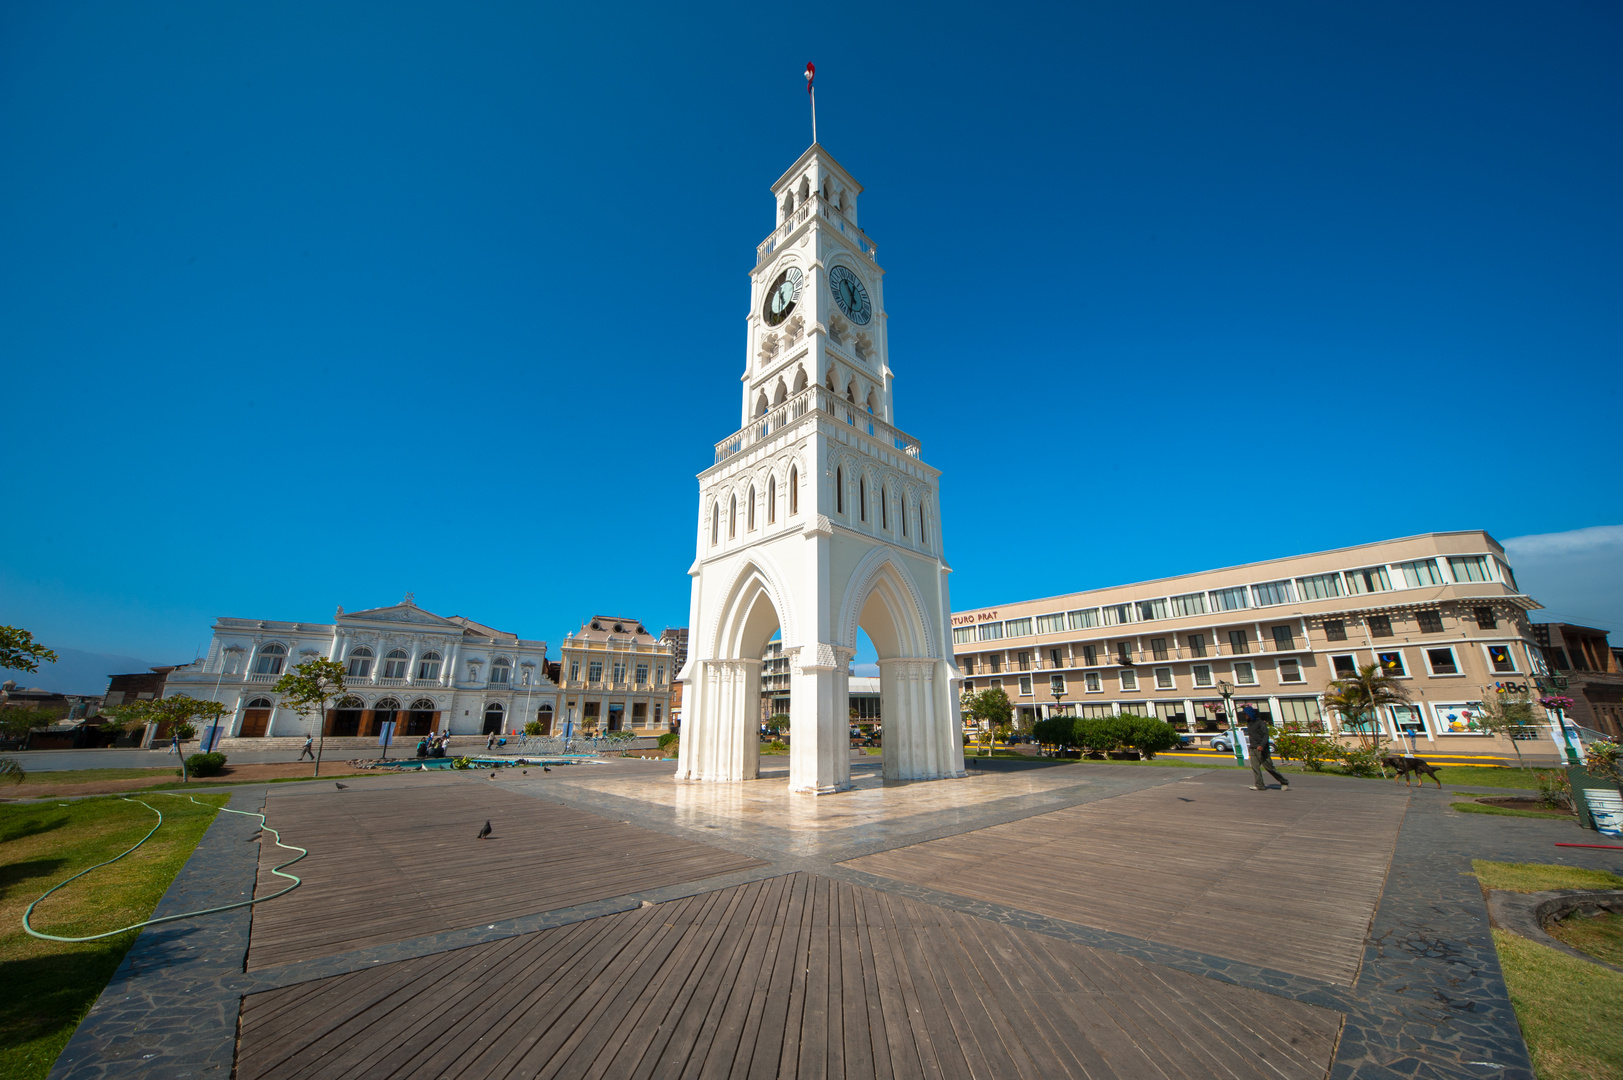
[(1223, 744)]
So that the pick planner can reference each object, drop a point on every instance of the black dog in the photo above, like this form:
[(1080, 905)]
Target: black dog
[(1411, 766)]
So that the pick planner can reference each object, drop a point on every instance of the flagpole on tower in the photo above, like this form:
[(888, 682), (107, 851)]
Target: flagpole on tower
[(811, 91)]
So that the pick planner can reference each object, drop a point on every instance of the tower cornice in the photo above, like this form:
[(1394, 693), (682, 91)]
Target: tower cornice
[(815, 150)]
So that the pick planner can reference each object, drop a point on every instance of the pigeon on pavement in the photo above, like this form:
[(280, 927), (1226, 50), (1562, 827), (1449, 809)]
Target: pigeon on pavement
[(339, 786), (486, 831)]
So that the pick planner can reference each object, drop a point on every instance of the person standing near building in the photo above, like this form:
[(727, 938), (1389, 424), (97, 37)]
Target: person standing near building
[(1261, 757), (309, 748)]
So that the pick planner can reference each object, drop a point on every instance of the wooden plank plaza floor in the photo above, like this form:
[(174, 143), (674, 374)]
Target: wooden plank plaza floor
[(800, 973)]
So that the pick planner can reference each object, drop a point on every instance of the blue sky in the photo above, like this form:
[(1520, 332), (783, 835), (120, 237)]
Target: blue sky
[(314, 304)]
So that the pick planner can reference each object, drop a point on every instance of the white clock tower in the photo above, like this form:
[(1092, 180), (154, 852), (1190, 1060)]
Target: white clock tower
[(819, 516)]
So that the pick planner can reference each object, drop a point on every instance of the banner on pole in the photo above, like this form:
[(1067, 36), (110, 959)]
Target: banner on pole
[(386, 734)]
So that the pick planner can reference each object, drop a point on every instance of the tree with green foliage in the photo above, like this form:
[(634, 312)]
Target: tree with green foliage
[(16, 721), (19, 651), (1100, 734), (308, 688), (1359, 700), (1511, 714), (990, 709), (1148, 735), (1056, 731)]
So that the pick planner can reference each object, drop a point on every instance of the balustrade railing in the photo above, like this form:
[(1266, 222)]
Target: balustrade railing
[(822, 400), (803, 213)]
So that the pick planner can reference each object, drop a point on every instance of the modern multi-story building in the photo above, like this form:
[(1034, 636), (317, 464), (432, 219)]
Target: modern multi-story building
[(617, 676), (425, 672), (1440, 612), (1581, 658)]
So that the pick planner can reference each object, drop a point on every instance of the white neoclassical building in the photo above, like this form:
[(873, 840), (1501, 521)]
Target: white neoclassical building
[(426, 672), (818, 517)]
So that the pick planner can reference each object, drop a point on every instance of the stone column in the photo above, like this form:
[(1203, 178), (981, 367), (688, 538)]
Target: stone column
[(720, 737), (923, 739), (819, 720)]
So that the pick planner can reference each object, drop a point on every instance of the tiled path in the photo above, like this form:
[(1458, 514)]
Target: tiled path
[(1089, 920)]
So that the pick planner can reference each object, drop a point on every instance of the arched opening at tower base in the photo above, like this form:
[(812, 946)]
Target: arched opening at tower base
[(921, 729)]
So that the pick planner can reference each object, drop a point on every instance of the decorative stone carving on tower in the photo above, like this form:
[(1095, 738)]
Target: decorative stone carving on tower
[(818, 517)]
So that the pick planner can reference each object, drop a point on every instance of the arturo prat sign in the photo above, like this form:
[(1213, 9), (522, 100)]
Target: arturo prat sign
[(978, 617)]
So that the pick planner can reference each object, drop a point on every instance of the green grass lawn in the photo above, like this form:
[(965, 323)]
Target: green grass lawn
[(86, 776), (1509, 811), (1571, 1012), (51, 985), (1598, 934)]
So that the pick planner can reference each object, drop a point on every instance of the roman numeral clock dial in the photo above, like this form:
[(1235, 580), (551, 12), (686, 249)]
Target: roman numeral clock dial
[(781, 297), (851, 295)]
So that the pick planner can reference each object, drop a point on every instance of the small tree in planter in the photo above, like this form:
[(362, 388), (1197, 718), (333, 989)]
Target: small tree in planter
[(989, 707)]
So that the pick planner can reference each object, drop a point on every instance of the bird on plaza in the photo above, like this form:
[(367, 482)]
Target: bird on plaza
[(546, 768), (486, 831), (493, 776), (339, 786), (524, 772)]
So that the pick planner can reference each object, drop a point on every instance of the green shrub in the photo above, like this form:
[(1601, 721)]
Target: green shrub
[(533, 728), (462, 763), (1313, 751), (205, 764), (1555, 790), (1100, 734), (1362, 760), (668, 738), (1055, 731), (1148, 736)]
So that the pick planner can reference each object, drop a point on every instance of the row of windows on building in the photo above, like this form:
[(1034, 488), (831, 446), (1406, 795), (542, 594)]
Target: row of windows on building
[(272, 660), (1372, 579), (618, 669), (1239, 642), (884, 514), (1439, 663)]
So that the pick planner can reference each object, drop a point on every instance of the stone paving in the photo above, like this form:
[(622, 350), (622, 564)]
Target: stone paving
[(1429, 999)]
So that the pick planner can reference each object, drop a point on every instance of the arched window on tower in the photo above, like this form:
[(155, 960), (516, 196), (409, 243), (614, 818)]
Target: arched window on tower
[(828, 380), (715, 524), (771, 499), (781, 394), (873, 400), (884, 508), (800, 380), (924, 527), (904, 513), (794, 490), (749, 511), (839, 491), (760, 404), (732, 517), (862, 498)]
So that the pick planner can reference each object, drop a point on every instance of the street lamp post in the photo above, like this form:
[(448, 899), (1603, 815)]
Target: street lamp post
[(1058, 693), (1227, 693)]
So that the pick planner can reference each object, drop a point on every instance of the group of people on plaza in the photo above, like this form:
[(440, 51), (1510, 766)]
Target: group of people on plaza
[(433, 745)]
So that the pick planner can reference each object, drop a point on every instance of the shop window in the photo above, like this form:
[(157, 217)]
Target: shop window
[(1392, 665), (1407, 719), (1244, 673), (1500, 659), (1430, 622), (1203, 674), (1380, 626), (1441, 662), (1335, 630)]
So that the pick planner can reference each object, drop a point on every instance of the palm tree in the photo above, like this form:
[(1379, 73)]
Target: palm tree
[(1360, 699)]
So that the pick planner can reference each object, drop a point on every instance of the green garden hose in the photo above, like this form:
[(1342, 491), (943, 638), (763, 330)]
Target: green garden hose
[(277, 870)]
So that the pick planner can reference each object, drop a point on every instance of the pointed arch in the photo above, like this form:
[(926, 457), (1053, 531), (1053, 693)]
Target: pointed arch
[(883, 598), (715, 523), (800, 379), (772, 499), (732, 517), (741, 627), (749, 511), (760, 404), (828, 380), (781, 394), (839, 490), (862, 498), (884, 508), (794, 489)]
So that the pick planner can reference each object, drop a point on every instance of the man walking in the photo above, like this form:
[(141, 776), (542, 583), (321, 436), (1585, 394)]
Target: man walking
[(309, 748), (1256, 737)]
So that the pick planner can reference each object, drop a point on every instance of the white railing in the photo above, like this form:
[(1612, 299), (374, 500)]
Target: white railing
[(828, 403), (801, 214)]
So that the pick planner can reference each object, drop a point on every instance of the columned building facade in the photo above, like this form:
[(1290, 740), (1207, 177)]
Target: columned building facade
[(426, 672), (616, 676)]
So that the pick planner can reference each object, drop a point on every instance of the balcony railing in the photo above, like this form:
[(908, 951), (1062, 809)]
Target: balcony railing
[(820, 207), (825, 402)]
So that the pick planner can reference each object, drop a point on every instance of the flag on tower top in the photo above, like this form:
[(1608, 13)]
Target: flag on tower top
[(811, 69)]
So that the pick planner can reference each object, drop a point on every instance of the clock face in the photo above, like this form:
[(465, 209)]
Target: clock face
[(850, 295), (781, 297)]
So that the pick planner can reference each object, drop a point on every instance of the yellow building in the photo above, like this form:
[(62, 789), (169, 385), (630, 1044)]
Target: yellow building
[(616, 676)]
